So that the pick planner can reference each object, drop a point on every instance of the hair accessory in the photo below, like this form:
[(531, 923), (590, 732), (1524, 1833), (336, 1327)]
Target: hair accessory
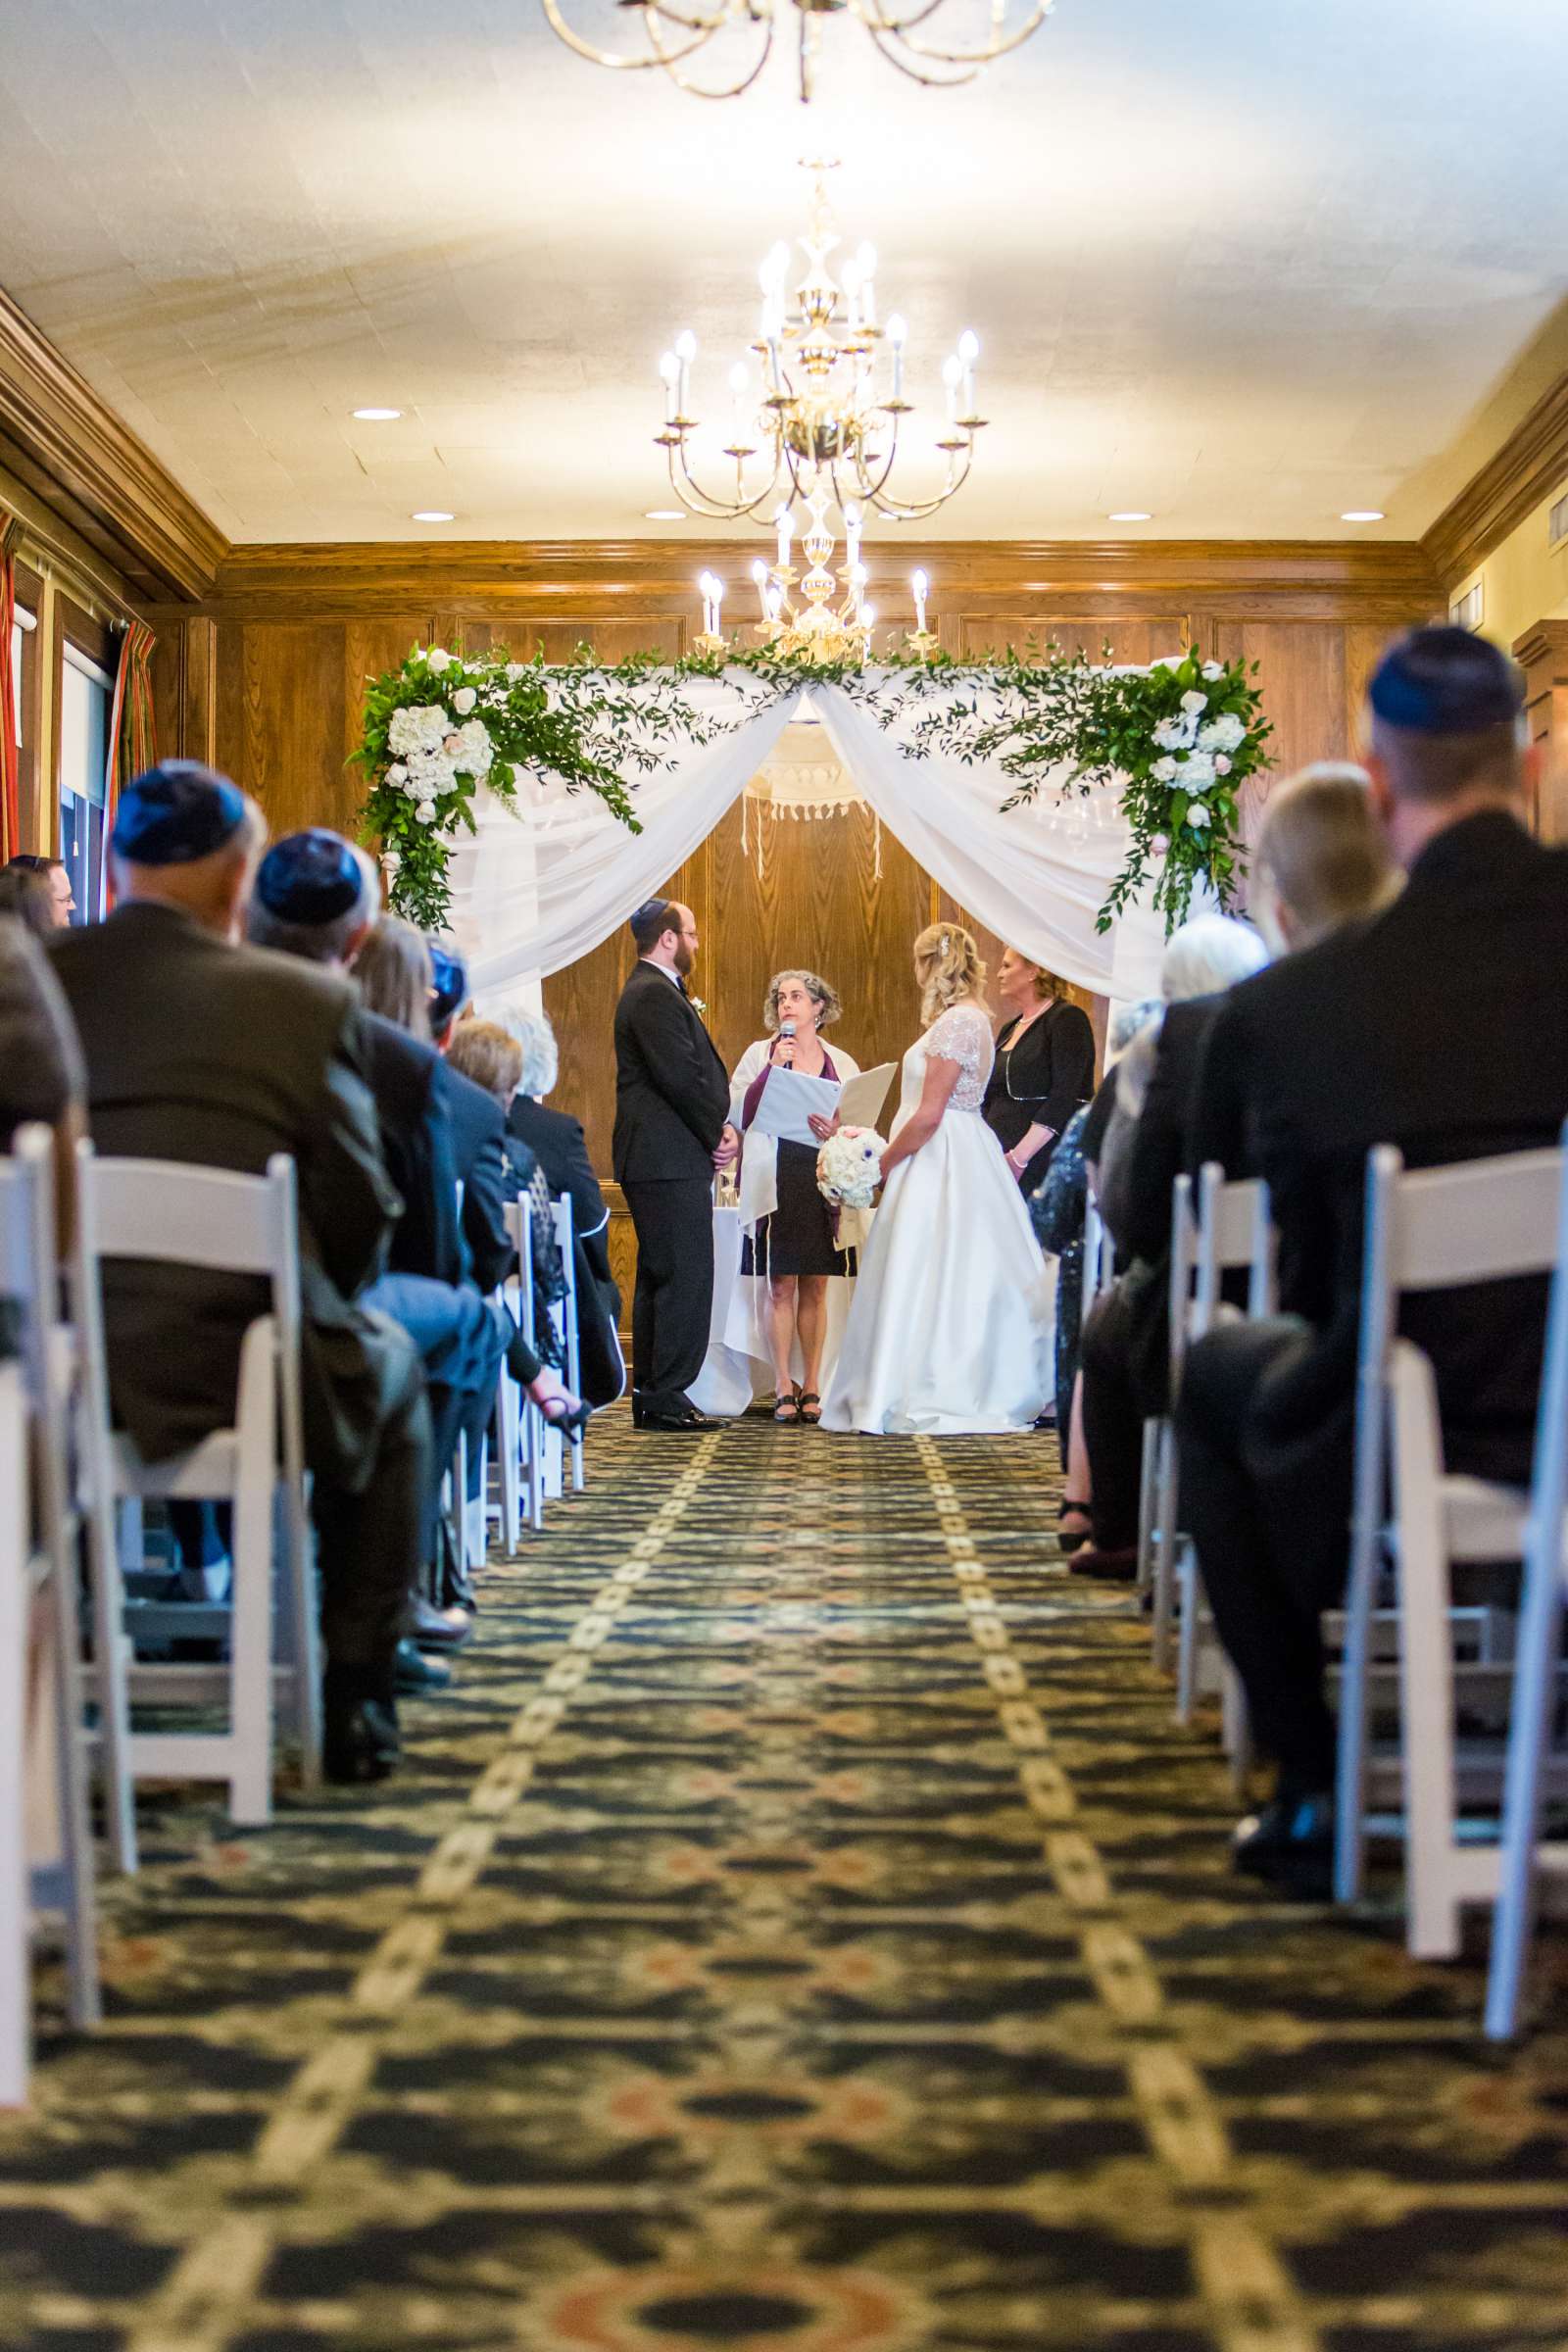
[(175, 812), (310, 878), (944, 943)]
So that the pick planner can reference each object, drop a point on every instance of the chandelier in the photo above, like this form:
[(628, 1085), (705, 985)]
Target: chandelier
[(908, 38), (831, 622), (822, 415)]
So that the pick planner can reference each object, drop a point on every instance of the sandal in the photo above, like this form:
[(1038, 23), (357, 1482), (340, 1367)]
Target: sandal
[(1073, 1539), (804, 1397), (787, 1411)]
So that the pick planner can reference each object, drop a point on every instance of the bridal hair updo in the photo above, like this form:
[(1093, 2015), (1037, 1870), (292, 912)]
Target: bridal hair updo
[(823, 994), (950, 968)]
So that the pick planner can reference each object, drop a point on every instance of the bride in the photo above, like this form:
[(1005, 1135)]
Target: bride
[(951, 1328)]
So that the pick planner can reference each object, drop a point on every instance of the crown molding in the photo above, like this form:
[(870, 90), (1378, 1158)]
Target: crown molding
[(1532, 463), (542, 581), (91, 470)]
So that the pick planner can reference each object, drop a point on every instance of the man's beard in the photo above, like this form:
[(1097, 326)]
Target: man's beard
[(684, 959)]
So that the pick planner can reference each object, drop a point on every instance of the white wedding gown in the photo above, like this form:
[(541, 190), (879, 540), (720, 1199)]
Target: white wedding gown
[(953, 1324)]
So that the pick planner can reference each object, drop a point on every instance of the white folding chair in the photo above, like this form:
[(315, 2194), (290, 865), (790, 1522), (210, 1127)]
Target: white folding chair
[(530, 1421), (1156, 1486), (566, 1324), (46, 1857), (1537, 1667), (171, 1213), (1433, 1229)]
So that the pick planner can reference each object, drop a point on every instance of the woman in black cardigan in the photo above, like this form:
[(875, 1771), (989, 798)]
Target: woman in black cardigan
[(1044, 1069)]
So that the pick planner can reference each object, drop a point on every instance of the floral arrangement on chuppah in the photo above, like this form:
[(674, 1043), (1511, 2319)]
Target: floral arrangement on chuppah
[(1178, 740)]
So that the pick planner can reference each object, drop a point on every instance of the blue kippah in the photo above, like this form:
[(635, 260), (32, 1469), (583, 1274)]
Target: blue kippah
[(1445, 681), (310, 877), (449, 982), (175, 813)]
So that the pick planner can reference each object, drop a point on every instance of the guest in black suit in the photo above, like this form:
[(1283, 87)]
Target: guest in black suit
[(672, 1132), (1043, 1070), (200, 1050), (557, 1141), (1437, 1026)]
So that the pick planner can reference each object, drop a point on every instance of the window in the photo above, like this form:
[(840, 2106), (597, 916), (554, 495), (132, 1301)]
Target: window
[(86, 698)]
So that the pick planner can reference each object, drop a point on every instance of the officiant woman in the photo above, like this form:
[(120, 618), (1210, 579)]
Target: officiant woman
[(789, 1242), (1044, 1069)]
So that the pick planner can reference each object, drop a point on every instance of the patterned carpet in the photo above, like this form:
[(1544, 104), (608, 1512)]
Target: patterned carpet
[(802, 1931)]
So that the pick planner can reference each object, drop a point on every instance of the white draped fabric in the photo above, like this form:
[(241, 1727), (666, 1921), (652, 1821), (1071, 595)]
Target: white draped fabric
[(535, 890)]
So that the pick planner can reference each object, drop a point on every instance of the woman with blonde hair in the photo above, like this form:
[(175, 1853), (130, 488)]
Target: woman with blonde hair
[(789, 1242), (951, 1330)]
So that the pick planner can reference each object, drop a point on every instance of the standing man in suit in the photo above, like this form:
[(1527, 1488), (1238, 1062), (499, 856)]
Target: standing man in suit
[(672, 1132), (1437, 1026)]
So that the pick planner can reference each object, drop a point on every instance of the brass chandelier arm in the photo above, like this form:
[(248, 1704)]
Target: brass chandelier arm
[(652, 13), (899, 29), (875, 495), (699, 501), (624, 64)]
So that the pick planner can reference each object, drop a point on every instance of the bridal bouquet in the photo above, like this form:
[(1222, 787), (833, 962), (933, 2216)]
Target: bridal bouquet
[(849, 1167)]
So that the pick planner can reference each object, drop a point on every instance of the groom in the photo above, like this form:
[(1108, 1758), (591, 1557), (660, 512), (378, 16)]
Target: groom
[(672, 1132)]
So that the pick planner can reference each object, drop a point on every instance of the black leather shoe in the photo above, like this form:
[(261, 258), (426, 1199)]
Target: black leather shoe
[(360, 1741), (1115, 1567), (437, 1629), (415, 1675), (1290, 1844), (685, 1425)]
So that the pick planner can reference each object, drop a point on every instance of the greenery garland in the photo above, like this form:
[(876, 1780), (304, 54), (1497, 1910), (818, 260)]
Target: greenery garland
[(1180, 739)]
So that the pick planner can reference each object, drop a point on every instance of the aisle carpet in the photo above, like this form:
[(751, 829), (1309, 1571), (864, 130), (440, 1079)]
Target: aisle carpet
[(802, 1931)]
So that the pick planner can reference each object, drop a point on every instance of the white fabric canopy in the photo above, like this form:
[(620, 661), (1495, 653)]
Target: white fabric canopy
[(538, 887)]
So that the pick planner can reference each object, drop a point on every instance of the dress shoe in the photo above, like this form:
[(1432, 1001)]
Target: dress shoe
[(1290, 1844), (360, 1740), (437, 1629), (683, 1425), (415, 1674), (1116, 1567)]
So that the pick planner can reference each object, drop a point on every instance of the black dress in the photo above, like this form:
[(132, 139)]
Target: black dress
[(1042, 1080), (798, 1237)]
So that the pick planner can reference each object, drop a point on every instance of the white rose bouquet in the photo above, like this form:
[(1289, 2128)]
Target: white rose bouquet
[(849, 1167)]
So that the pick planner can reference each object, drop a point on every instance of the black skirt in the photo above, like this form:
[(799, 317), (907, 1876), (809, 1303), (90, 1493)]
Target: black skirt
[(798, 1238)]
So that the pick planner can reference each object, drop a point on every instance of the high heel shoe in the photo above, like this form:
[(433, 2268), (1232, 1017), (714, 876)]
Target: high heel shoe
[(571, 1418), (1072, 1538)]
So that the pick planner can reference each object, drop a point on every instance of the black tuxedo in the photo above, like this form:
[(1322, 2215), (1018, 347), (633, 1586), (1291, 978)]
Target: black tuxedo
[(220, 1057), (405, 1079), (1437, 1026), (671, 1104), (557, 1141)]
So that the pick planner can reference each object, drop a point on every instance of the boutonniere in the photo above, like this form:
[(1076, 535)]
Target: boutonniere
[(699, 1005)]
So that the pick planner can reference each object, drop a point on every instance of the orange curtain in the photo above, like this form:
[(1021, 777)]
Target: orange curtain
[(132, 740), (10, 803)]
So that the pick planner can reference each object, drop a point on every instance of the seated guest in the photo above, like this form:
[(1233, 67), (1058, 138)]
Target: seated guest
[(1321, 859), (41, 1077), (791, 1240), (25, 893), (54, 876), (204, 1051), (1043, 1069), (557, 1141), (1126, 1339), (1437, 1026)]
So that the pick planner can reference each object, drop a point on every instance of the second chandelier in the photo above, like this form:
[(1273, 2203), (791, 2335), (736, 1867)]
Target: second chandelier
[(823, 409)]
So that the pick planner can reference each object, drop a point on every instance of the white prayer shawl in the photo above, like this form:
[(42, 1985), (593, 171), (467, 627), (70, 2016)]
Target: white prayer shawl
[(759, 1186)]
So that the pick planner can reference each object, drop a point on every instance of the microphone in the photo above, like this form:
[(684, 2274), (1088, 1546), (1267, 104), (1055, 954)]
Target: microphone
[(786, 1036)]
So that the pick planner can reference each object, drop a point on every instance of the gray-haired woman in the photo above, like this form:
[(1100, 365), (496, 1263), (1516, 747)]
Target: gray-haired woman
[(789, 1232)]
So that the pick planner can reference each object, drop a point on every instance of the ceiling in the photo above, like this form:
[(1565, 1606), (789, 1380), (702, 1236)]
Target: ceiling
[(1244, 266)]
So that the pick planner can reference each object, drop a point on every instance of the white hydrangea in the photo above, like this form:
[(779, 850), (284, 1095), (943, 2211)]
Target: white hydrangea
[(1213, 669), (1173, 734), (1223, 734), (1165, 770), (1194, 701), (418, 728), (397, 773), (463, 700), (1197, 816), (438, 659), (476, 752), (515, 670), (1196, 770)]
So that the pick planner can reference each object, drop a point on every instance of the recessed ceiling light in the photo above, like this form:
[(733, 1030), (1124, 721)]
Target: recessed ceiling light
[(1363, 514), (432, 515), (378, 416), (1130, 515), (664, 515)]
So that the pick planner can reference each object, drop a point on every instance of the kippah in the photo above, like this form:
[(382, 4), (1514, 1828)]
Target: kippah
[(449, 982), (175, 812), (1445, 681), (649, 906), (310, 878)]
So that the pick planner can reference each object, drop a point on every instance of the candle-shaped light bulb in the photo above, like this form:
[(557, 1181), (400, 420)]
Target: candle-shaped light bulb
[(670, 371), (920, 586), (867, 619), (968, 353), (716, 589), (685, 353), (951, 373), (898, 336), (759, 578), (740, 375)]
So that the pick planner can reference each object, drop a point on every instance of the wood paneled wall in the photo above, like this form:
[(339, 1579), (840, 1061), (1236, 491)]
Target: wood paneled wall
[(266, 676)]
